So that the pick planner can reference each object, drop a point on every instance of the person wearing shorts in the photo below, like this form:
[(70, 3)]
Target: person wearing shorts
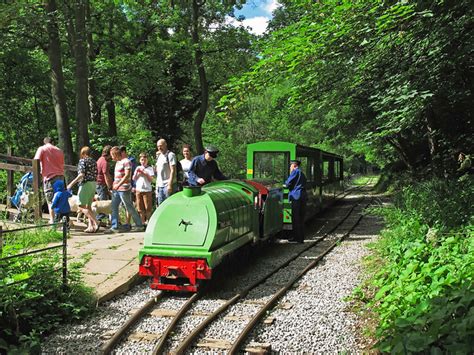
[(87, 176), (104, 179), (52, 169)]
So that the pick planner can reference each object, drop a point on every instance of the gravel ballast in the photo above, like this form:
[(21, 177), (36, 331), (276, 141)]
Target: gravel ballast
[(319, 319), (315, 317)]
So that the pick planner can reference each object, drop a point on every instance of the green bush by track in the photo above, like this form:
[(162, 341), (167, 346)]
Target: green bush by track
[(33, 300), (421, 287)]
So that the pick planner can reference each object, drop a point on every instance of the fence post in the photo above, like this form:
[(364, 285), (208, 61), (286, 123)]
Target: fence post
[(10, 180), (65, 225), (36, 189)]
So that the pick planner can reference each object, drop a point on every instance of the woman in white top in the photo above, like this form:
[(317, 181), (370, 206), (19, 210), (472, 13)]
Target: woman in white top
[(143, 177), (186, 162)]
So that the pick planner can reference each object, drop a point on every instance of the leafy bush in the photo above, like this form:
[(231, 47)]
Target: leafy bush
[(33, 299), (424, 291)]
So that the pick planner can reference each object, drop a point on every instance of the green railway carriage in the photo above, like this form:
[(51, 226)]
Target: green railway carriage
[(270, 161), (194, 230)]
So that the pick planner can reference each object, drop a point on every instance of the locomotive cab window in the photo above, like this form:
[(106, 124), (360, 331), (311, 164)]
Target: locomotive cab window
[(271, 165)]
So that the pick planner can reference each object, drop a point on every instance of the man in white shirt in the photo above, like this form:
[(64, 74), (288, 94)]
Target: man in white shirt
[(165, 172)]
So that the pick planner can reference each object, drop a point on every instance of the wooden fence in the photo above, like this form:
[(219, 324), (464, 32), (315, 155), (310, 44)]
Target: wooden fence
[(11, 164)]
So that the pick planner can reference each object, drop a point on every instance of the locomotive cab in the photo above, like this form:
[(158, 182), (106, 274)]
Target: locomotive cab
[(270, 206)]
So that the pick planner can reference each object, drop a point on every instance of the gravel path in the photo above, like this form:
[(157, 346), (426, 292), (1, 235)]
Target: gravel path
[(316, 320)]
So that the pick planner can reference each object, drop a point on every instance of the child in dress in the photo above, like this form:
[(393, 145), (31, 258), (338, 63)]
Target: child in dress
[(143, 177)]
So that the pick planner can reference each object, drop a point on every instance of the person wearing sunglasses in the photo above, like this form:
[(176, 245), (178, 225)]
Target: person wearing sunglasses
[(204, 168)]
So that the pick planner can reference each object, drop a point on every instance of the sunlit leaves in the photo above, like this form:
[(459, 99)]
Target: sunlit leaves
[(385, 66)]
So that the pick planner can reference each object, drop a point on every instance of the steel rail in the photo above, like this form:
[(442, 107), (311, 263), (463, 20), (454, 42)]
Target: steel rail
[(109, 346), (262, 312), (159, 348), (183, 346)]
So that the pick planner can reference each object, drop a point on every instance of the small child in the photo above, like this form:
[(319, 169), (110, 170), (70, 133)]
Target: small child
[(60, 203), (143, 177)]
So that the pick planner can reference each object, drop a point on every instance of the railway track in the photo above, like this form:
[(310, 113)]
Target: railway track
[(324, 244)]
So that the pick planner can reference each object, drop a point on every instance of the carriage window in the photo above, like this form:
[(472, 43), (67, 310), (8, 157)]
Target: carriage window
[(307, 167), (271, 165), (325, 170), (310, 170)]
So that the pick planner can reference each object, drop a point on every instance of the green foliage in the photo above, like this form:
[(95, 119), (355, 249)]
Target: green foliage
[(424, 290), (438, 203), (380, 79), (32, 297), (141, 63)]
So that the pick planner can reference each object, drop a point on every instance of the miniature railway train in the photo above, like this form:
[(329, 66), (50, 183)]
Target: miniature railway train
[(193, 231)]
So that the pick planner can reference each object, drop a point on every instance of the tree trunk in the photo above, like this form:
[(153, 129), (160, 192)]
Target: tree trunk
[(81, 74), (94, 107), (433, 144), (204, 85), (112, 123), (57, 83), (395, 142)]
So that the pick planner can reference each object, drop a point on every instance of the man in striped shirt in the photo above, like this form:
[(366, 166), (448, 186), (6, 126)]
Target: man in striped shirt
[(122, 190)]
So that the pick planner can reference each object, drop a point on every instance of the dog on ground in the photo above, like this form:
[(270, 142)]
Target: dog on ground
[(102, 207), (74, 204)]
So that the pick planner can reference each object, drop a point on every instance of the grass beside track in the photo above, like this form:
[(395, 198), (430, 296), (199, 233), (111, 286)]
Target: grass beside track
[(365, 179)]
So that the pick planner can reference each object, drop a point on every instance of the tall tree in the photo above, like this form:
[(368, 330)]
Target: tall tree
[(203, 83), (76, 25), (205, 14), (57, 82), (94, 107)]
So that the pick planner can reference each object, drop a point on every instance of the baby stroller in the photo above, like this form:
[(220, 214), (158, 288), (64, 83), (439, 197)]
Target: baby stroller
[(21, 198)]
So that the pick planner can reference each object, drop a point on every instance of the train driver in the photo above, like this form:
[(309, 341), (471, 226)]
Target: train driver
[(204, 168), (296, 184)]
